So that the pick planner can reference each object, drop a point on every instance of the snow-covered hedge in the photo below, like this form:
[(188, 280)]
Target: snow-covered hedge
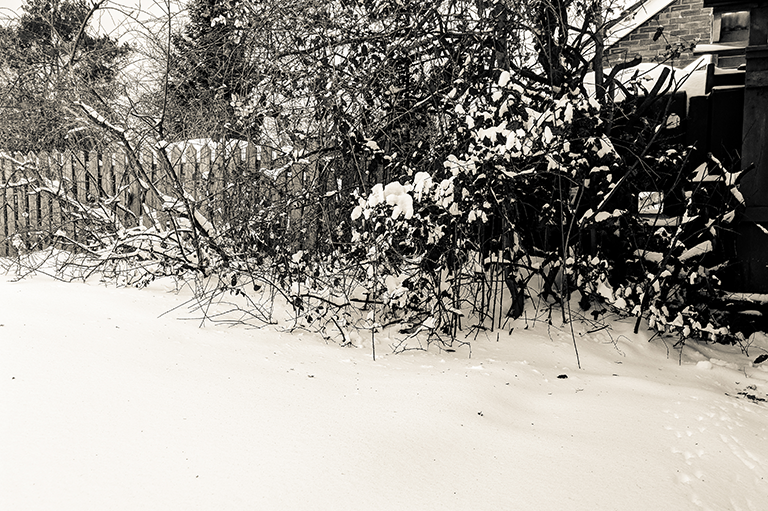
[(540, 180)]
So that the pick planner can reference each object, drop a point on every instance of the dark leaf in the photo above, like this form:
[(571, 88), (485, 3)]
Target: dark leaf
[(762, 358)]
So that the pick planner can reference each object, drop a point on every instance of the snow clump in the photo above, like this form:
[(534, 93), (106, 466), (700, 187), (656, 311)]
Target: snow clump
[(395, 195)]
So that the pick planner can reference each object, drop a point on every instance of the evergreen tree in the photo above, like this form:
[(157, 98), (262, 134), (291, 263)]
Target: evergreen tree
[(210, 64), (47, 59)]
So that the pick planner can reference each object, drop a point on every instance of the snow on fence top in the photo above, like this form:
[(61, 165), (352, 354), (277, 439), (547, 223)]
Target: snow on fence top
[(225, 149)]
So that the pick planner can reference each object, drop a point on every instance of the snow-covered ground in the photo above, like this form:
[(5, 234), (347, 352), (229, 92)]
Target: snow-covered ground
[(106, 404)]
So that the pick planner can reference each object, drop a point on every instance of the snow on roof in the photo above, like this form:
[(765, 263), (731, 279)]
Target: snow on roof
[(637, 14), (691, 79)]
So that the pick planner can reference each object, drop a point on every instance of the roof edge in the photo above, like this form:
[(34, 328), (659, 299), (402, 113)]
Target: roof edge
[(634, 19)]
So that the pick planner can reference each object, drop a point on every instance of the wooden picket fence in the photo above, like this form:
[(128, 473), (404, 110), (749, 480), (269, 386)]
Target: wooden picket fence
[(52, 198)]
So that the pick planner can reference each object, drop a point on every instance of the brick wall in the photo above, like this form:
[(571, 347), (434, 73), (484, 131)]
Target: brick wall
[(683, 20)]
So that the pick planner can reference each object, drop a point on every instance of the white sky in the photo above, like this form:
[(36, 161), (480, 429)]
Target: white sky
[(9, 5)]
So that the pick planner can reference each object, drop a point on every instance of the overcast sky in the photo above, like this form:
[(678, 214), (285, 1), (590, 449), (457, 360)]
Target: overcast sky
[(13, 5), (116, 18)]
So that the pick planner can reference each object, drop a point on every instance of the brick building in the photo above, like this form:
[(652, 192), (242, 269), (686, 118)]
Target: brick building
[(682, 23)]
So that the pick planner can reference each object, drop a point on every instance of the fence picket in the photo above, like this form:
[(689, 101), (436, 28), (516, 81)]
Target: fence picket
[(252, 157), (92, 171), (174, 172), (135, 193), (188, 175), (10, 218), (33, 220), (151, 203), (204, 186), (68, 186), (121, 187), (3, 210), (44, 218), (78, 168), (217, 187), (41, 201), (3, 234)]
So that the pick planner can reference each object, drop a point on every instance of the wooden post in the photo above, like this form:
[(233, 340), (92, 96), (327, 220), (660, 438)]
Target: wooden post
[(755, 126), (752, 244)]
